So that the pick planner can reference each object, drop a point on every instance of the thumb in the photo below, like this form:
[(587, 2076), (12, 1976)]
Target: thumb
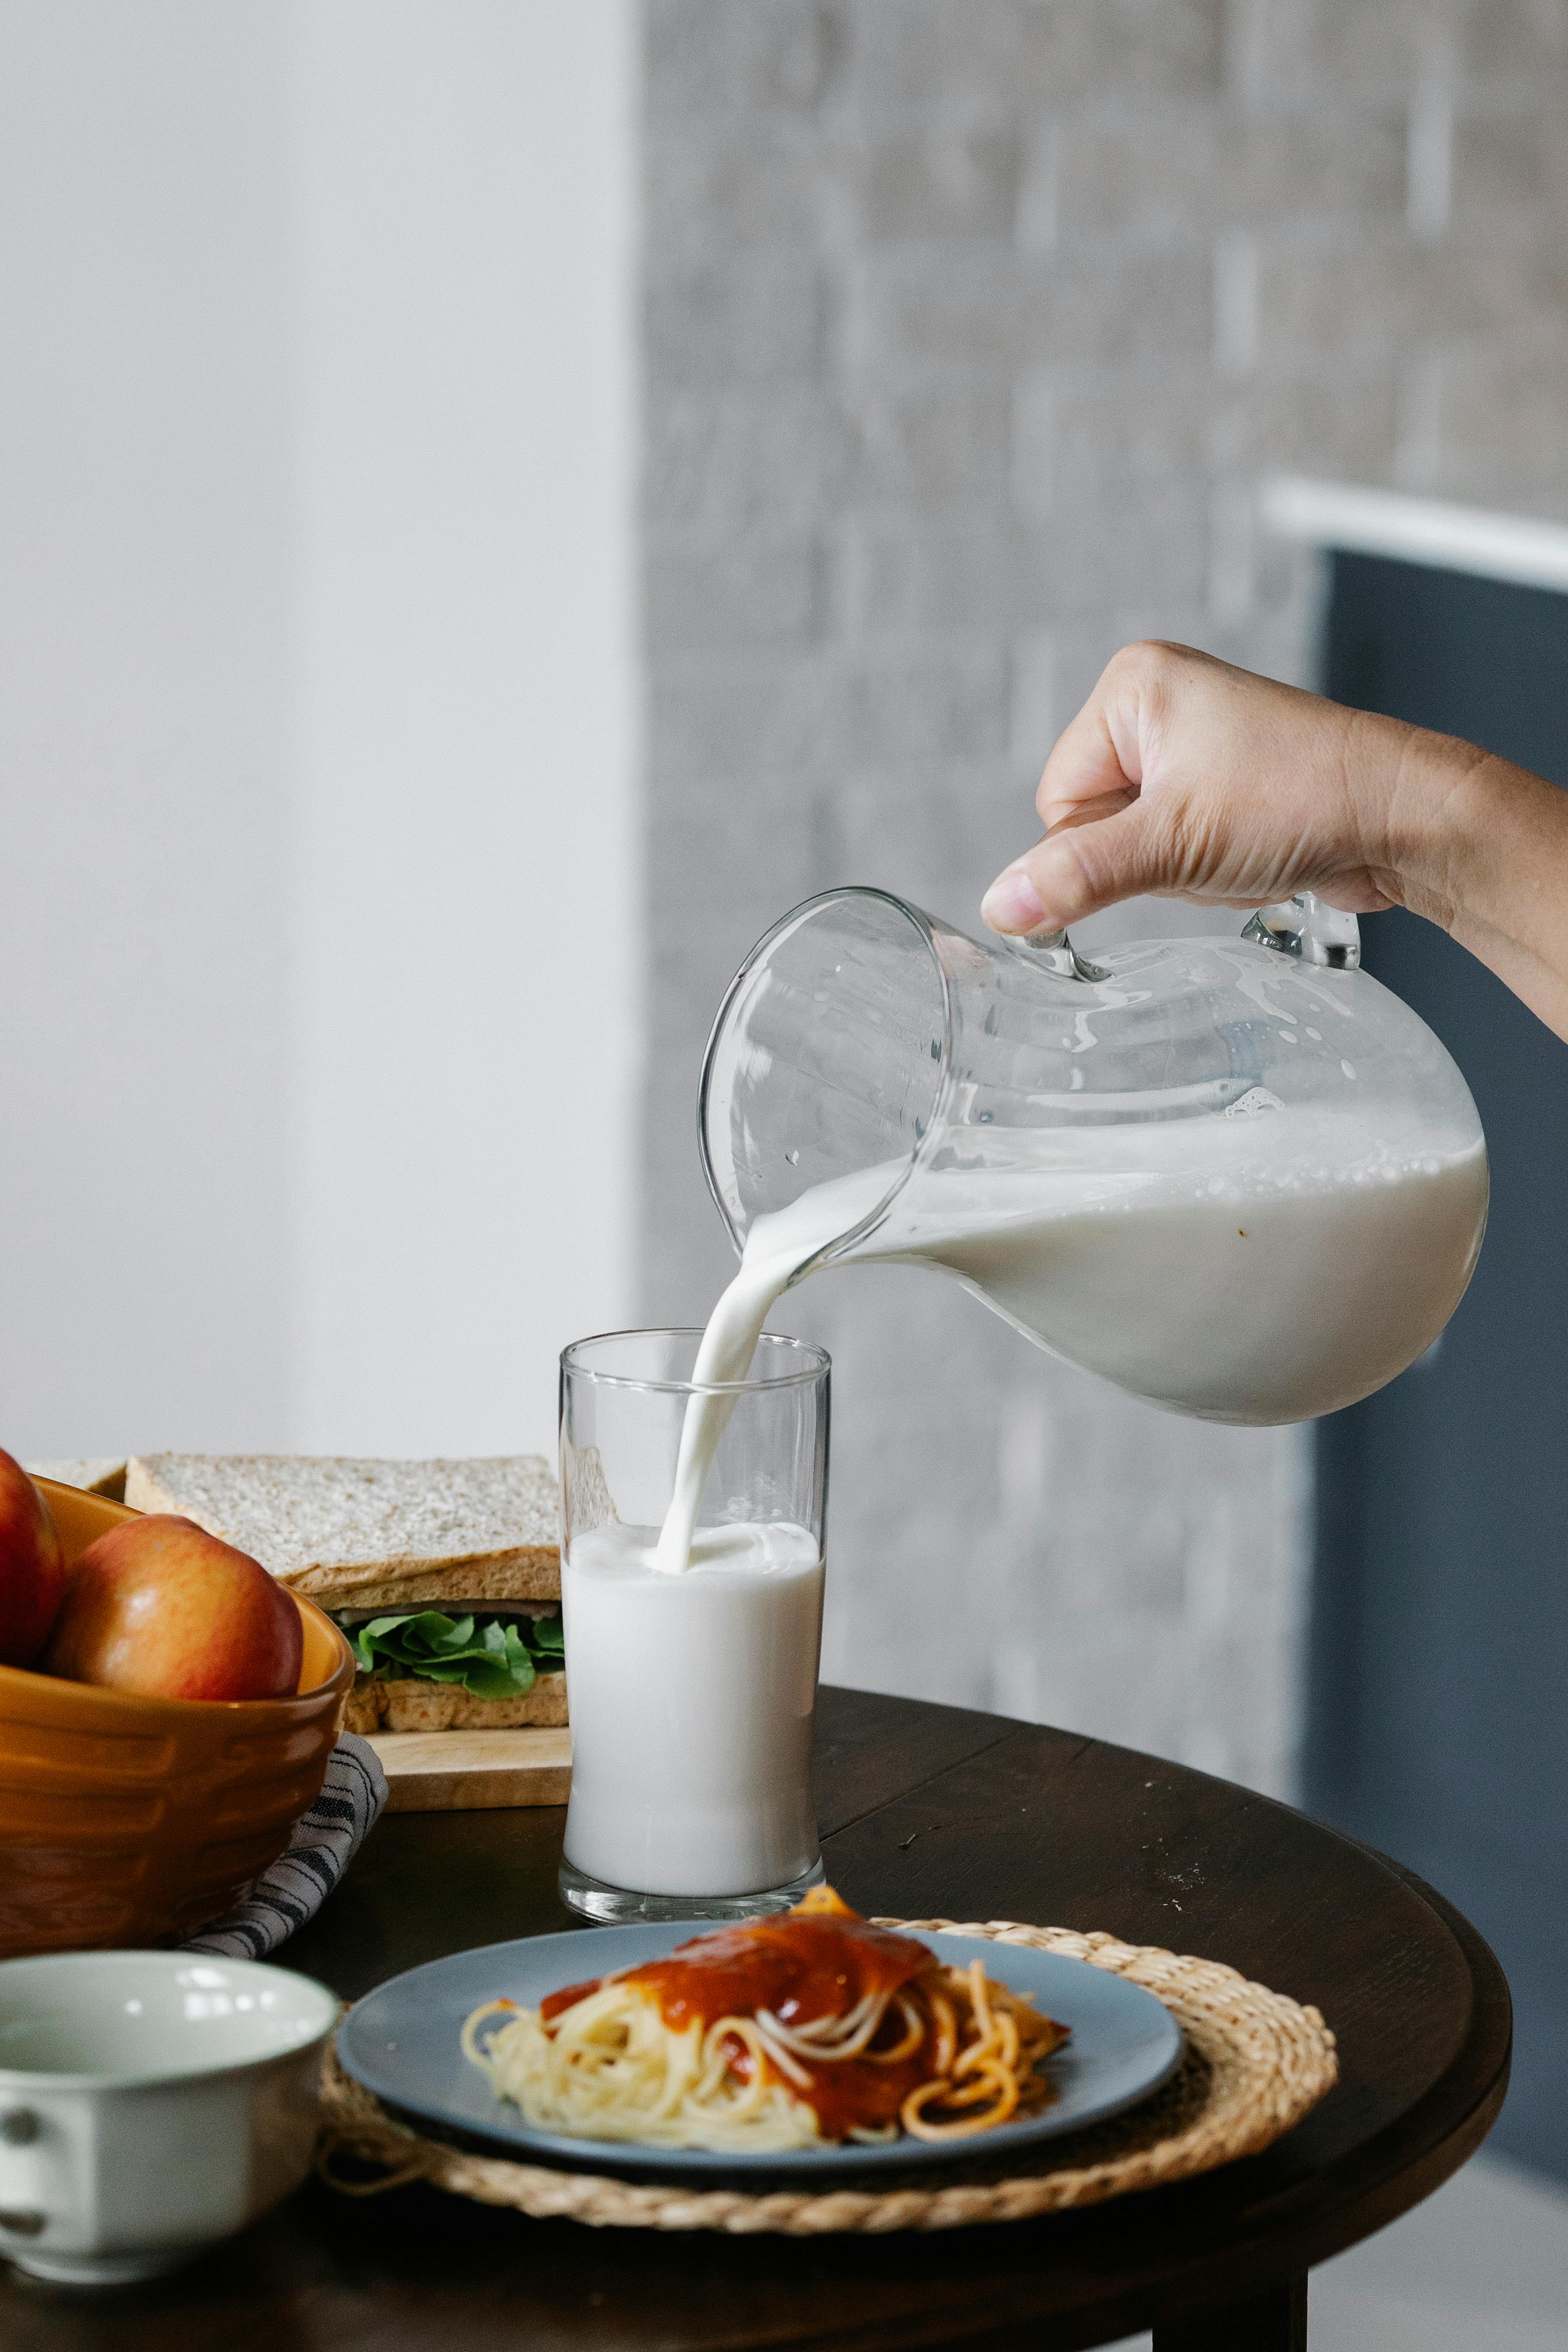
[(1078, 869)]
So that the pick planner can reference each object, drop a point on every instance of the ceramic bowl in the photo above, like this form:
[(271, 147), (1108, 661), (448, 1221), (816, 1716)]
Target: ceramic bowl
[(149, 2103), (135, 1820)]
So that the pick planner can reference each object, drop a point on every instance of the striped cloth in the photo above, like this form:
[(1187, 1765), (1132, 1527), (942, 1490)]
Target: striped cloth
[(325, 1841)]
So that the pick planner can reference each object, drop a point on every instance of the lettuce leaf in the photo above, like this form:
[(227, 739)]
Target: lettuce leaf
[(547, 1640), (492, 1657)]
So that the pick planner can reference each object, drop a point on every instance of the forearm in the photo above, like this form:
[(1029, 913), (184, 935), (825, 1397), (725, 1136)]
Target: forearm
[(1480, 847)]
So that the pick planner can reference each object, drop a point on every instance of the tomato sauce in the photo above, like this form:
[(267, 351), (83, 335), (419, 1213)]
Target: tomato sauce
[(801, 1966)]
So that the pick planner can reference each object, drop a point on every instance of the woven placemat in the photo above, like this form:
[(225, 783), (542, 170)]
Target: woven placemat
[(1253, 2064)]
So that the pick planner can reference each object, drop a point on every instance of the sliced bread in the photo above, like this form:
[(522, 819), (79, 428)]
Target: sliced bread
[(416, 1704), (96, 1473), (369, 1534)]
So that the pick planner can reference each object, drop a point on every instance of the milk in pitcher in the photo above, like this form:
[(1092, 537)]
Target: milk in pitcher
[(1263, 1269)]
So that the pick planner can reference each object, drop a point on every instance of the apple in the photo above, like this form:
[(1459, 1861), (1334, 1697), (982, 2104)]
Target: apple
[(160, 1607), (32, 1567)]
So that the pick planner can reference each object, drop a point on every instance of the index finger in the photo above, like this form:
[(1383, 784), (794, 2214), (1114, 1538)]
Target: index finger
[(1097, 766)]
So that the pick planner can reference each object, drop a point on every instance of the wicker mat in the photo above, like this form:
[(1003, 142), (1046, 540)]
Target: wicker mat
[(1253, 2064)]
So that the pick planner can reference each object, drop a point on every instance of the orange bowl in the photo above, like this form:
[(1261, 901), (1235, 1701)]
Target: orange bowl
[(128, 1820)]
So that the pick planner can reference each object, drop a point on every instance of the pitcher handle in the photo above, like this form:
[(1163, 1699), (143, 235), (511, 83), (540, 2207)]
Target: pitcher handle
[(1056, 952), (1304, 926)]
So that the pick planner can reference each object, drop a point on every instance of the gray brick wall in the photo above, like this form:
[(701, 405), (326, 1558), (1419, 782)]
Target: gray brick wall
[(971, 327)]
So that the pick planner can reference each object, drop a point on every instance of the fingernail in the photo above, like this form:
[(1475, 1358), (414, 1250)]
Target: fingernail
[(1011, 904)]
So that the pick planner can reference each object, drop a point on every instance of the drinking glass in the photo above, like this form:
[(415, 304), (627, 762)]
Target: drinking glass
[(692, 1695)]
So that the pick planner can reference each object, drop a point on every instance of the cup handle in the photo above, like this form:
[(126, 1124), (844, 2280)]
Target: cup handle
[(19, 2127)]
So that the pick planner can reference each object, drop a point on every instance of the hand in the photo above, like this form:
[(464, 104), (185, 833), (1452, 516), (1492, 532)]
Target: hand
[(1185, 778)]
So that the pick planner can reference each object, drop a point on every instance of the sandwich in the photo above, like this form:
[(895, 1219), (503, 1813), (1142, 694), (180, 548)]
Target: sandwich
[(444, 1576)]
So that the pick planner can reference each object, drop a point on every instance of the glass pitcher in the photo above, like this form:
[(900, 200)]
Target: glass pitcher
[(1236, 1178)]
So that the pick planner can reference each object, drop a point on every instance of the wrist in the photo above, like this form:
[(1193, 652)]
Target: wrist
[(1438, 817)]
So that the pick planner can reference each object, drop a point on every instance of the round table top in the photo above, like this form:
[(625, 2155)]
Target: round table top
[(925, 1811)]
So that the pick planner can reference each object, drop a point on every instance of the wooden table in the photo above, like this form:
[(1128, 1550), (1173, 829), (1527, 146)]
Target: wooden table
[(926, 1811)]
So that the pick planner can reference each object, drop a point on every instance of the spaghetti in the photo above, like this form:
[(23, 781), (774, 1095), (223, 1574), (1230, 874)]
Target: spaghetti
[(776, 2035)]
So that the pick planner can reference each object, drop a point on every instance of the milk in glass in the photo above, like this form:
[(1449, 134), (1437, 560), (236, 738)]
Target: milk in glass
[(691, 1703)]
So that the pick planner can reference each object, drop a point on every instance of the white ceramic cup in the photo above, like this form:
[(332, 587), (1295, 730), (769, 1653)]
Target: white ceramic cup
[(149, 2103)]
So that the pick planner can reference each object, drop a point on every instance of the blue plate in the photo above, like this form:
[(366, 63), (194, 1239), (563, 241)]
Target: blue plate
[(401, 2043)]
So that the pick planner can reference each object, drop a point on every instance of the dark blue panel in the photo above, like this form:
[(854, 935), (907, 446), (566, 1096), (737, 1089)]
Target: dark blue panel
[(1479, 658), (1440, 1702)]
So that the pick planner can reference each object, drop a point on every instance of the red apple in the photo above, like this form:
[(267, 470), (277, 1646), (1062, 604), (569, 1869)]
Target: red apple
[(32, 1567), (160, 1607)]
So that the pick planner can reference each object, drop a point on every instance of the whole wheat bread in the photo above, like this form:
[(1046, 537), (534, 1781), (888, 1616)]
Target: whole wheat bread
[(369, 1534), (417, 1705)]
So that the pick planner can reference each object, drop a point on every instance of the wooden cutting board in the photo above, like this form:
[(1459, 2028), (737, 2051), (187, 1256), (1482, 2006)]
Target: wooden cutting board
[(464, 1771)]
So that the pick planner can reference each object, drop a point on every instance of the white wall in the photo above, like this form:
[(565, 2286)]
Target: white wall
[(317, 706), (468, 969), (144, 567)]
